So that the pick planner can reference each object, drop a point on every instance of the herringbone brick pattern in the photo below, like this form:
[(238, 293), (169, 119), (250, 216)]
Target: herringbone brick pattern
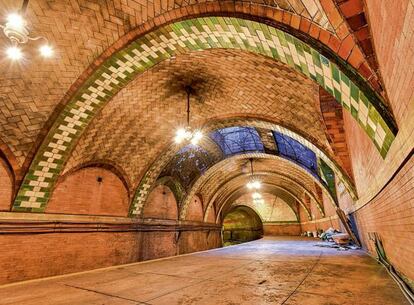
[(182, 37), (137, 125), (79, 31)]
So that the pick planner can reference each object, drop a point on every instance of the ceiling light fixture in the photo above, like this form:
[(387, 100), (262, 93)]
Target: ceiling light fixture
[(14, 53), (257, 198), (256, 195), (16, 31), (187, 134), (253, 184)]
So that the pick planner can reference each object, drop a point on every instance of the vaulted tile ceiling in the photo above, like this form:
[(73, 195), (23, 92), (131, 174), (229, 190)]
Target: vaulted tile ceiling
[(114, 91)]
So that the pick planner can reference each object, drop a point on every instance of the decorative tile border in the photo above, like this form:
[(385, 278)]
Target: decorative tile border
[(178, 38)]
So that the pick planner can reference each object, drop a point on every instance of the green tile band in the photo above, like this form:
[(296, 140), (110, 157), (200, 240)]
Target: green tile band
[(178, 38)]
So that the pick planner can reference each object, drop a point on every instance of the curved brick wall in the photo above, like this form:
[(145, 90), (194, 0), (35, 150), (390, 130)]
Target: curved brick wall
[(161, 204), (6, 186), (81, 193), (390, 214)]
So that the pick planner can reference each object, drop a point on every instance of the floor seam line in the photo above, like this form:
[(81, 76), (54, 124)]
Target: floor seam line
[(204, 280), (164, 274), (306, 276), (105, 294)]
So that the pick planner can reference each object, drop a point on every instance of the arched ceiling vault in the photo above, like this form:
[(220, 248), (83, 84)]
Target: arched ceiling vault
[(245, 207), (215, 188), (243, 215), (29, 110), (137, 124), (153, 172), (280, 171), (227, 192), (274, 191), (268, 200), (268, 187), (178, 38)]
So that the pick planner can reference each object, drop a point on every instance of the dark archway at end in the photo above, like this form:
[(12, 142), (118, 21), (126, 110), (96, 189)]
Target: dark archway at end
[(241, 224)]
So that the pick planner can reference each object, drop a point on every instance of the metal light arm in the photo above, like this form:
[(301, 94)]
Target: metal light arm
[(188, 90)]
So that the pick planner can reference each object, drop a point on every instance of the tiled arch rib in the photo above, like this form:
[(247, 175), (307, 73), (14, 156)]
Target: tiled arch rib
[(181, 37), (269, 186), (211, 174), (270, 197), (223, 192), (238, 197)]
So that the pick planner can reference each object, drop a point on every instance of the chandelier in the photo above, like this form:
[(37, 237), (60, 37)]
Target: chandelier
[(17, 32), (187, 134), (254, 185)]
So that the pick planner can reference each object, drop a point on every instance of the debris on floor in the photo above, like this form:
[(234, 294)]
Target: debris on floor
[(341, 238), (335, 239)]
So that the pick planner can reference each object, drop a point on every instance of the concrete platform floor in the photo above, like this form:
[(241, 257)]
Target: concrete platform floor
[(278, 271)]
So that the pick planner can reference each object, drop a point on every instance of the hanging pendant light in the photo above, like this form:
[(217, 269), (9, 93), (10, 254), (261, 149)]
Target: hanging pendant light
[(253, 184), (16, 31), (187, 134)]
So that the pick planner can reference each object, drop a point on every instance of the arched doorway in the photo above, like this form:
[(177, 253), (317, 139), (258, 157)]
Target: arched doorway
[(241, 224)]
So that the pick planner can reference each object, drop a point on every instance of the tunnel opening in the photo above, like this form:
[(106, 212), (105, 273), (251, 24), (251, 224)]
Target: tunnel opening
[(241, 224)]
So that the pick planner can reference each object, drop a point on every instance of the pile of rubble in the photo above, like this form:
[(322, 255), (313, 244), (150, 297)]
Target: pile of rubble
[(335, 239)]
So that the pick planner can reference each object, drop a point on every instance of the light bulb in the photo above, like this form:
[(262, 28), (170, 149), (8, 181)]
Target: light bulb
[(197, 136), (257, 184), (15, 21), (254, 185), (180, 135), (46, 50), (14, 53), (256, 195)]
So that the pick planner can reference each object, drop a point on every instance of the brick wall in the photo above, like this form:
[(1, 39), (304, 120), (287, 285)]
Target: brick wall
[(198, 241), (391, 215), (35, 256), (211, 215), (31, 256), (387, 208), (318, 221), (161, 204), (195, 209), (158, 244), (392, 24), (365, 165), (6, 186), (281, 229), (82, 193), (321, 224)]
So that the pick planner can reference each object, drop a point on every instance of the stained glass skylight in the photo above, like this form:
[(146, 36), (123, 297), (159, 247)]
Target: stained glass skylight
[(238, 139), (188, 164), (297, 152)]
